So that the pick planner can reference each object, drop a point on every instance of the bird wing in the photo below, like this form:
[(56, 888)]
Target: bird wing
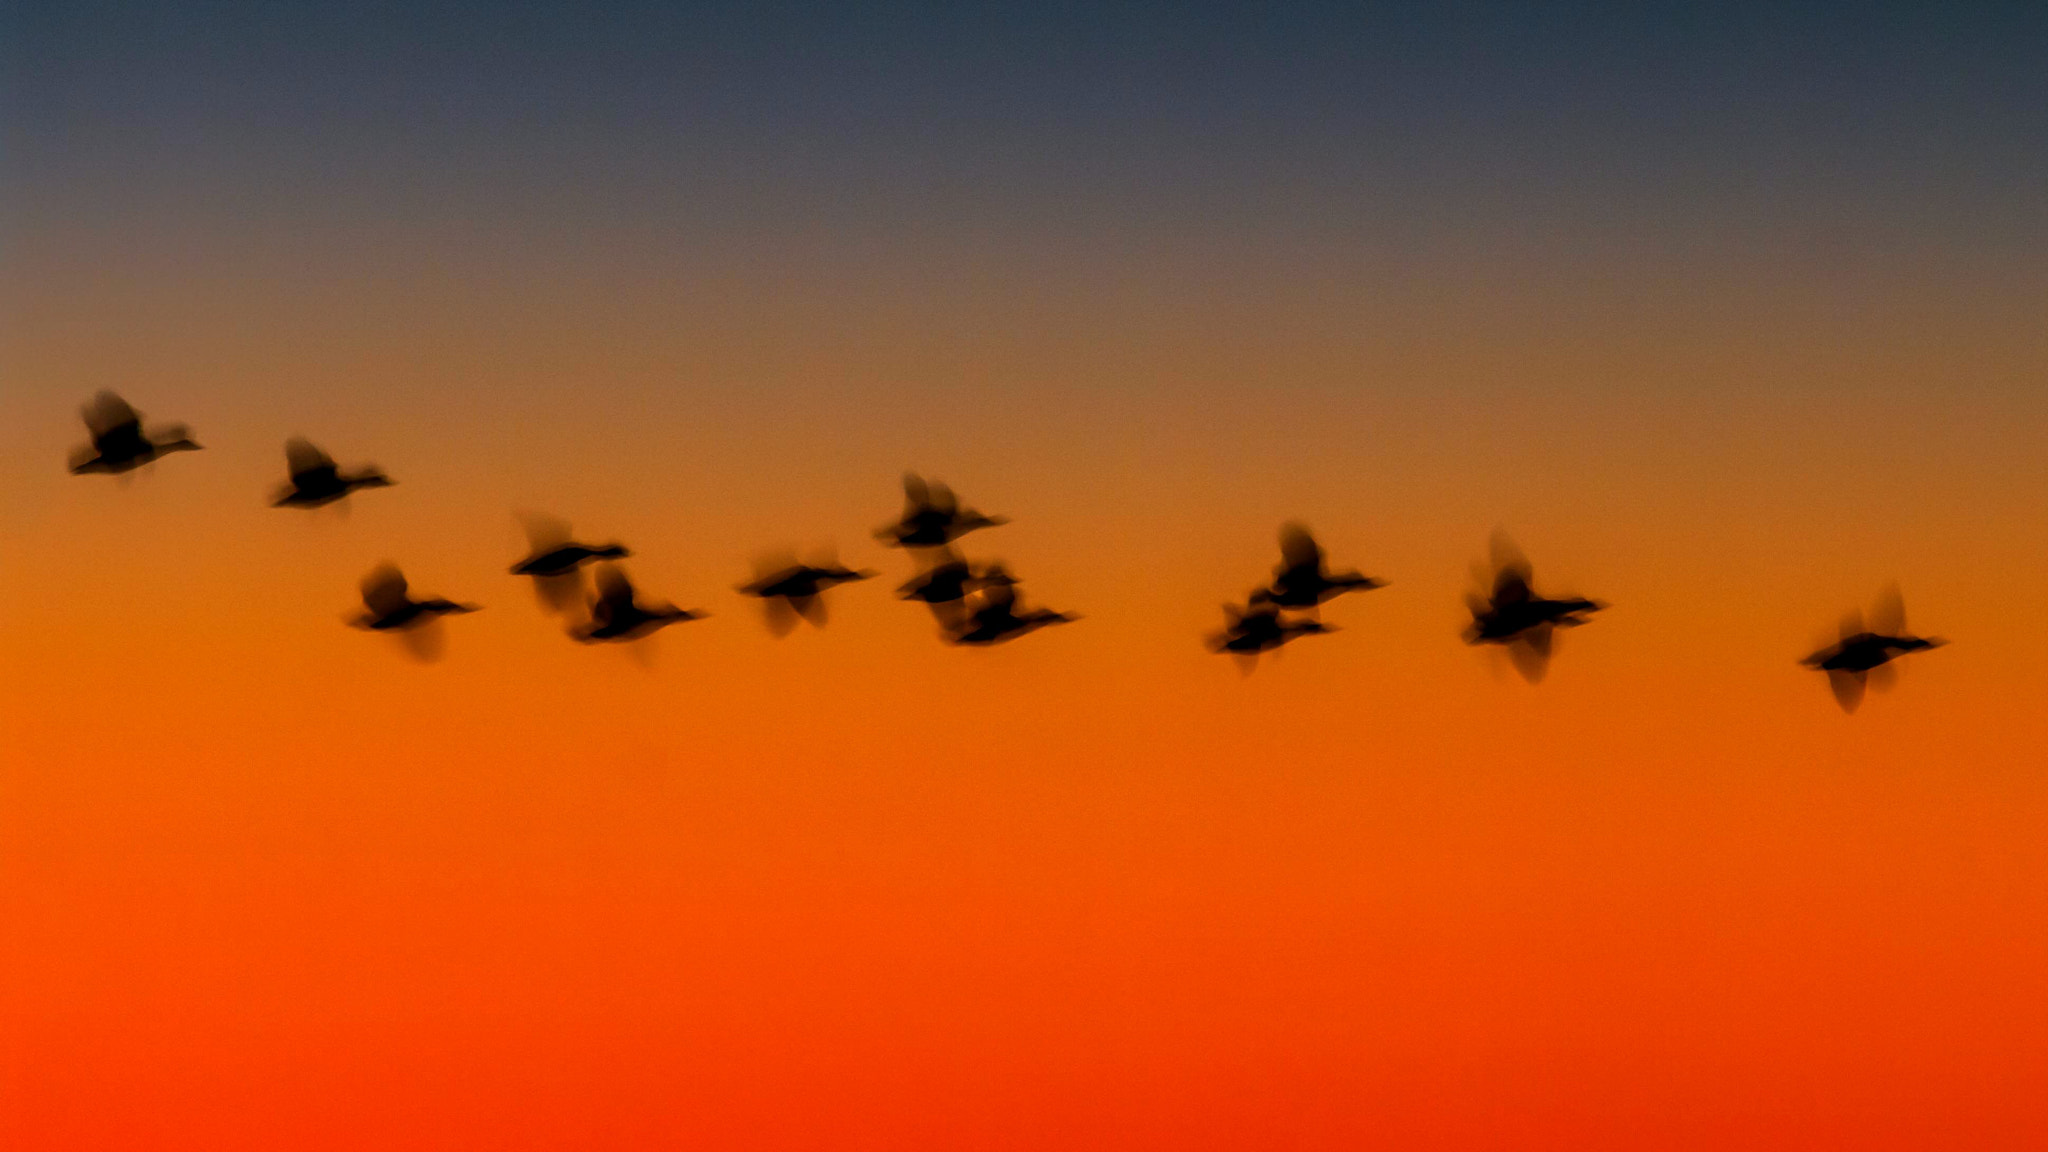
[(614, 591), (1298, 549), (1888, 614), (106, 412), (384, 590), (1511, 586), (1847, 687), (1852, 623), (544, 533), (916, 495), (942, 500), (301, 458)]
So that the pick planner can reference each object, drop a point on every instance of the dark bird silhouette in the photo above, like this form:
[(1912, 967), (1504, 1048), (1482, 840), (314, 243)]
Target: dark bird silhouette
[(1257, 628), (555, 562), (118, 442), (391, 609), (1300, 580), (316, 482), (996, 616), (1863, 657), (942, 587), (796, 591), (1511, 614), (932, 516), (616, 615)]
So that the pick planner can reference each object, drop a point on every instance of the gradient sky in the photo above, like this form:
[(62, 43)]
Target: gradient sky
[(1729, 313)]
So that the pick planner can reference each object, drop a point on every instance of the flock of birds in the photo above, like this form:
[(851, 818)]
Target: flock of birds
[(973, 604)]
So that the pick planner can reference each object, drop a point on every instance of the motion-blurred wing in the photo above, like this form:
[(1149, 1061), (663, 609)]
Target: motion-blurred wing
[(942, 501), (302, 459), (107, 412), (811, 608), (1888, 613), (1847, 687), (1298, 549), (614, 591), (916, 496), (1511, 586), (1530, 657), (544, 533), (384, 590), (1852, 623)]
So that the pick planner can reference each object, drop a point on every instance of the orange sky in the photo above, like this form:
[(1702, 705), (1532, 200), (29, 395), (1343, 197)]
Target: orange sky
[(265, 883)]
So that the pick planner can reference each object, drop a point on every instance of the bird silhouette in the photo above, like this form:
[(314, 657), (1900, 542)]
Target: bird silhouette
[(555, 561), (616, 615), (391, 609), (1511, 614), (1862, 657), (118, 442), (932, 516), (316, 482), (1256, 628), (793, 591), (995, 616), (1300, 580), (943, 587)]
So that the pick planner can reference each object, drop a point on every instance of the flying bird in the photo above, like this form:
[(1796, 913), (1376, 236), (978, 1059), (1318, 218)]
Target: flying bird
[(616, 615), (932, 516), (390, 608), (118, 442), (1511, 614), (796, 591), (1862, 657), (316, 482), (1257, 628), (555, 561), (996, 617), (942, 587), (1301, 581)]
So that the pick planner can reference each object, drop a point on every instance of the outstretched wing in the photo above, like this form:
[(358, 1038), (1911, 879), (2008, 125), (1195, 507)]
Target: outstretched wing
[(1847, 687), (302, 459), (614, 591), (544, 533), (916, 495), (1511, 586), (107, 412), (1298, 549), (384, 591), (1888, 614)]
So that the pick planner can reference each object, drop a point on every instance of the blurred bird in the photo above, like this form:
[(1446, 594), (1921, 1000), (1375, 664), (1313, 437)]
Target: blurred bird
[(315, 481), (555, 561), (1300, 580), (392, 609), (932, 516), (1512, 615), (942, 587), (791, 591), (996, 618), (118, 443), (1863, 655), (1257, 628), (616, 615)]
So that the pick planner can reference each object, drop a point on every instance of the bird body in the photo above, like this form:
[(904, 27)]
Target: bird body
[(316, 482), (1301, 580), (997, 618), (615, 613), (118, 442), (932, 516), (391, 607)]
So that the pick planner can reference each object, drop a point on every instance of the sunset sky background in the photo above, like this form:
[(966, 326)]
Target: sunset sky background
[(1730, 314)]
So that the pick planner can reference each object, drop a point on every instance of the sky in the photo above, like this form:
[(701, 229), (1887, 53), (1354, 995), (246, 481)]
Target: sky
[(1730, 315)]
